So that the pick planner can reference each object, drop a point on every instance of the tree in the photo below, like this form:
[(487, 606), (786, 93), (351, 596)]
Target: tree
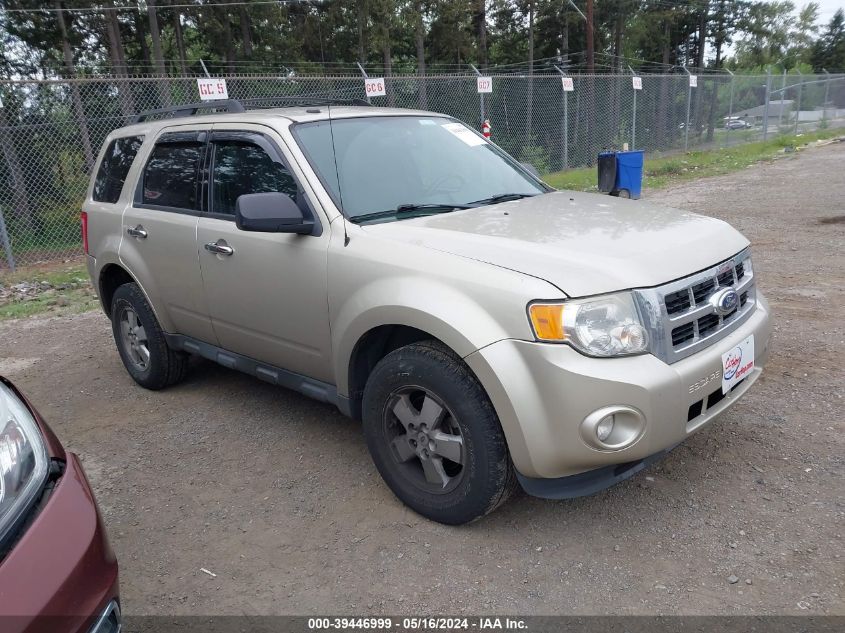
[(767, 27), (803, 35), (76, 96), (829, 51)]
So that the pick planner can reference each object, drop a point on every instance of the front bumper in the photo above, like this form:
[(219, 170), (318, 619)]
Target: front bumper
[(542, 393), (61, 576)]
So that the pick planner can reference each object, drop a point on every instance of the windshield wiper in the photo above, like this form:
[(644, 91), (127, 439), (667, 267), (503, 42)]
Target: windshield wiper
[(502, 197), (409, 209)]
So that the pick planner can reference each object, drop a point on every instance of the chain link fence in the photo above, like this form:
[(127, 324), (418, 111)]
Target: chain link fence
[(52, 130)]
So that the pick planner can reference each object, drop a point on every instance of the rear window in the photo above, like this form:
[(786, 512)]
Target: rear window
[(170, 178), (116, 163)]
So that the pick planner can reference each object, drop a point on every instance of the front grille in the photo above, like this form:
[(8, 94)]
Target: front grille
[(682, 334), (680, 317), (677, 302), (703, 290), (726, 278), (707, 324)]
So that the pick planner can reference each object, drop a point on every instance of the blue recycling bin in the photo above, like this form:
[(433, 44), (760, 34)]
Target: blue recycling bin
[(621, 173)]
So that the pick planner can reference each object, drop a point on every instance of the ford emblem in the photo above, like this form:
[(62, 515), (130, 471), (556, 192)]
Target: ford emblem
[(725, 301)]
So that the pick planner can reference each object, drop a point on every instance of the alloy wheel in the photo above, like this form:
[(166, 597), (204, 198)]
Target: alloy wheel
[(425, 439), (134, 338)]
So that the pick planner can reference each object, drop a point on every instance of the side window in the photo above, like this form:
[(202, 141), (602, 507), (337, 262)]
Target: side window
[(117, 160), (241, 167), (170, 177)]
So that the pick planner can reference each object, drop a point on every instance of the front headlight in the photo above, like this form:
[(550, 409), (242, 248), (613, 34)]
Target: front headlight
[(23, 459), (599, 326)]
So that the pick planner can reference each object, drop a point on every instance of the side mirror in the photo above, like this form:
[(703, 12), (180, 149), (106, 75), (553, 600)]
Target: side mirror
[(272, 212), (531, 170)]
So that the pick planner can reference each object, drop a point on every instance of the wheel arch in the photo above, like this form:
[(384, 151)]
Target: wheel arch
[(111, 277), (369, 349)]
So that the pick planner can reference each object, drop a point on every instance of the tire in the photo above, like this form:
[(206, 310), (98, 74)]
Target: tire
[(141, 342), (423, 404)]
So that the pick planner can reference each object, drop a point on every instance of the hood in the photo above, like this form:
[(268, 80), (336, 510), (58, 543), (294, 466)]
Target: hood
[(582, 243)]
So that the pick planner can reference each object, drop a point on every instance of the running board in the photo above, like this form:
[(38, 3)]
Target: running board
[(317, 389)]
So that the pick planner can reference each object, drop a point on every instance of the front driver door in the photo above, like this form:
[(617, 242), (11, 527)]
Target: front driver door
[(267, 294)]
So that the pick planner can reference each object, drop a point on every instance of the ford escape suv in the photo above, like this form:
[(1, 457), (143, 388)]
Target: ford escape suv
[(485, 328)]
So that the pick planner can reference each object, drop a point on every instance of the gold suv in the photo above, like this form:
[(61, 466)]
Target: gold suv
[(485, 328)]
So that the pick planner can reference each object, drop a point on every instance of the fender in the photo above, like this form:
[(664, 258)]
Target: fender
[(455, 318)]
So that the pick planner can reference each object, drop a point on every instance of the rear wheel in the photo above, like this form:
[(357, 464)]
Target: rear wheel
[(434, 436), (141, 342)]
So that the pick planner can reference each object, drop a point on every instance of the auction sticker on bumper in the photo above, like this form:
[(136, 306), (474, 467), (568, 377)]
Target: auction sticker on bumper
[(737, 363)]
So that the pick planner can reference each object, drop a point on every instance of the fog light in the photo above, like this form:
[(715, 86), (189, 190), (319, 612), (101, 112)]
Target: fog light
[(604, 428), (613, 428)]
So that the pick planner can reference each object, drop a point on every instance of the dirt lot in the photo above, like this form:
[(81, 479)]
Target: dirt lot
[(276, 494)]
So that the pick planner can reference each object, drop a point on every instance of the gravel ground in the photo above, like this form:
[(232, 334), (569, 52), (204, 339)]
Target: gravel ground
[(277, 496)]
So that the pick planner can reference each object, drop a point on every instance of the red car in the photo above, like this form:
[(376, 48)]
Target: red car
[(58, 573)]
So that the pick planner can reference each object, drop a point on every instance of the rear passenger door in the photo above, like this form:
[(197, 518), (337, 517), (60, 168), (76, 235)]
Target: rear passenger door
[(267, 295), (159, 231)]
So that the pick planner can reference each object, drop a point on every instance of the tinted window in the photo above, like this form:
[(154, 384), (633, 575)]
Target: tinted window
[(241, 167), (116, 163), (170, 179)]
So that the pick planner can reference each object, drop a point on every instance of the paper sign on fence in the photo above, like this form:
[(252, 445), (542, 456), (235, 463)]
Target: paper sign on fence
[(485, 84), (211, 88), (693, 81), (638, 83), (568, 84), (374, 87)]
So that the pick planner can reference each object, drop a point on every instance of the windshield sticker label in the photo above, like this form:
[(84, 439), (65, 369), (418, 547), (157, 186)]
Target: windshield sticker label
[(737, 363), (464, 133), (427, 122)]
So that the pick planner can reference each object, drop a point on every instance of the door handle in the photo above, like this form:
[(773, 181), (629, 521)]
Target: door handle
[(137, 231), (219, 248)]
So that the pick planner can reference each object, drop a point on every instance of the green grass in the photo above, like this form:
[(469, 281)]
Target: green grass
[(661, 172), (71, 292)]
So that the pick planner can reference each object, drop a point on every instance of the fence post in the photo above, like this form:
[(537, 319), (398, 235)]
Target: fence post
[(480, 95), (364, 73), (6, 243), (768, 99), (565, 130), (730, 105), (826, 93), (634, 115), (782, 99), (689, 102), (800, 90)]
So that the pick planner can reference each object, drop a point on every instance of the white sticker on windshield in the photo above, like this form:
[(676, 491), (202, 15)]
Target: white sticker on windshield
[(464, 133), (428, 122)]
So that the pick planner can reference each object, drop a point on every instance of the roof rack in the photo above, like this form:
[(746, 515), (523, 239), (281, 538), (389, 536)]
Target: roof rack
[(189, 109), (235, 105), (304, 101)]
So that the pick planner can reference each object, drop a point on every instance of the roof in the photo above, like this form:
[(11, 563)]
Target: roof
[(775, 109), (295, 114)]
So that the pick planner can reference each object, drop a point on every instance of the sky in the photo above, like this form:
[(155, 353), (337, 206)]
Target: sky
[(826, 8)]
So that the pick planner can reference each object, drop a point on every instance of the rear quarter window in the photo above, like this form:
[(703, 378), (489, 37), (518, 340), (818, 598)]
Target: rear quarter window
[(117, 160)]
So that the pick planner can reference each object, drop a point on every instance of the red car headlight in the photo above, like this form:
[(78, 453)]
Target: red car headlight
[(24, 463)]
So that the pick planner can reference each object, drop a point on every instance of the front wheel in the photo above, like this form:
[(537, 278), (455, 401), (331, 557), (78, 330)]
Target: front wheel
[(434, 436)]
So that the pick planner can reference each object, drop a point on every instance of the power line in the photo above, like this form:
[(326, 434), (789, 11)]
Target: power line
[(139, 7)]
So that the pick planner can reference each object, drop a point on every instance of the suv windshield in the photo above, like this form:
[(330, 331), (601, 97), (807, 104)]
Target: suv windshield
[(389, 166)]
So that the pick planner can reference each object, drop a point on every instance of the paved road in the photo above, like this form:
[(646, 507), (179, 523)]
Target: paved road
[(276, 494)]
